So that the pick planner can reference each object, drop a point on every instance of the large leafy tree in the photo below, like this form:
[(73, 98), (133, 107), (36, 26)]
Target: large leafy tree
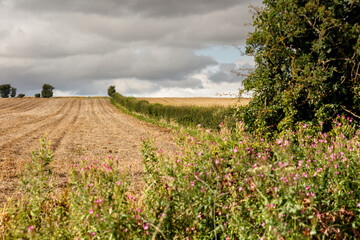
[(307, 62)]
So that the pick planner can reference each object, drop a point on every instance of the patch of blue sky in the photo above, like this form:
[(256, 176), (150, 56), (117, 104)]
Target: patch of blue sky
[(223, 54)]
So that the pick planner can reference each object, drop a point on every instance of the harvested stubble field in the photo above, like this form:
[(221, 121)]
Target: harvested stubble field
[(78, 128), (198, 101)]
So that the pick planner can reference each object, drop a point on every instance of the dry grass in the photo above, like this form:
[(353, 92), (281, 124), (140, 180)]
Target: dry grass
[(198, 101)]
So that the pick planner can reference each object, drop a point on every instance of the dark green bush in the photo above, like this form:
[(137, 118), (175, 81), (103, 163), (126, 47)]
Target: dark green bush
[(111, 90), (21, 95), (37, 95)]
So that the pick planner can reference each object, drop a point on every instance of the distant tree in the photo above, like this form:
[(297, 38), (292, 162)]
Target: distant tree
[(37, 95), (111, 90), (21, 95), (5, 90), (47, 91), (13, 92)]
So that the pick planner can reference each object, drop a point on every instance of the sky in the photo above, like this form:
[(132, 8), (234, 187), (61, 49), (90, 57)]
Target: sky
[(145, 48)]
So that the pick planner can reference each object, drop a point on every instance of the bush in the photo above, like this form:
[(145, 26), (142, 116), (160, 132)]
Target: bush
[(307, 64), (37, 95), (21, 95), (111, 90), (47, 91)]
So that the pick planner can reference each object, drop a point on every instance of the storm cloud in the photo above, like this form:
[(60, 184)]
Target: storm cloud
[(141, 46)]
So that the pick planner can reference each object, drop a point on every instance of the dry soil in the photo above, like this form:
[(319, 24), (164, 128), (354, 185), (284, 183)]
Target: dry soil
[(78, 128)]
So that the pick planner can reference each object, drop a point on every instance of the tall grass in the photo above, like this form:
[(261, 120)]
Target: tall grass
[(187, 116), (219, 185)]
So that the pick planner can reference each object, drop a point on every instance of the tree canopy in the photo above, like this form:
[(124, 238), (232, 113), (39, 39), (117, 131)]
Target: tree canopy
[(307, 63), (5, 90), (47, 91)]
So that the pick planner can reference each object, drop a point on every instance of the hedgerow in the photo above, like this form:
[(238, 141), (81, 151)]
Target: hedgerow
[(188, 116)]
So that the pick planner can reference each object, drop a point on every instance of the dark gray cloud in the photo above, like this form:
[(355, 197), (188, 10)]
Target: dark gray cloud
[(147, 8), (81, 46), (169, 67)]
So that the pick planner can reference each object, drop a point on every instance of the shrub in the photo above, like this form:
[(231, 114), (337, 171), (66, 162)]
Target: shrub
[(21, 95), (111, 90), (47, 91), (37, 95)]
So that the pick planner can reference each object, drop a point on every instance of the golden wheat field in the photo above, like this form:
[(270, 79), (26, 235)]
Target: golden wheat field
[(198, 101)]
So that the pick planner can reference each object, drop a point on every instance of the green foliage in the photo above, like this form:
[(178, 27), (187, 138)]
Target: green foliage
[(307, 63), (47, 91), (21, 95), (37, 95), (188, 116), (111, 90), (13, 92), (218, 185), (234, 186), (5, 90)]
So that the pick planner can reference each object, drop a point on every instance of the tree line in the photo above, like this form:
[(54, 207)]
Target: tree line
[(6, 91)]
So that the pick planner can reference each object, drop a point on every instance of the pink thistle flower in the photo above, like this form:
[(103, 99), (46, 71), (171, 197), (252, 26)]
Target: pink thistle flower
[(118, 182), (146, 227), (358, 204), (91, 211), (32, 227), (93, 233)]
